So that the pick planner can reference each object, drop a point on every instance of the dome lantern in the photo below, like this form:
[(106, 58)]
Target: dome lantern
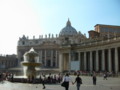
[(68, 23)]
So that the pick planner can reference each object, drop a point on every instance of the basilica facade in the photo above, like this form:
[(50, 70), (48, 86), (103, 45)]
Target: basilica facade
[(72, 50)]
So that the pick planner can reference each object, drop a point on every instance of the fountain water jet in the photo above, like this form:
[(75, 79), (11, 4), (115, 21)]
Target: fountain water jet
[(30, 63)]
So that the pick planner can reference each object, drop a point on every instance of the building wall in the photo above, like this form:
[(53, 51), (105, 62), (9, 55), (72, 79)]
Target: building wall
[(8, 61), (93, 34), (106, 30), (94, 54), (98, 56)]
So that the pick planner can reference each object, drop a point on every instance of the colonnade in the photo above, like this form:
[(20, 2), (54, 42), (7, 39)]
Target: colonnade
[(100, 60), (49, 58), (104, 59)]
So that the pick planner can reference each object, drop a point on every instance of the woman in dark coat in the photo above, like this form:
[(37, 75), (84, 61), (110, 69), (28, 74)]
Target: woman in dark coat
[(94, 79), (67, 79)]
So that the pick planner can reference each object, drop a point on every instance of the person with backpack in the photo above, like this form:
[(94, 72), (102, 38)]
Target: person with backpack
[(78, 82)]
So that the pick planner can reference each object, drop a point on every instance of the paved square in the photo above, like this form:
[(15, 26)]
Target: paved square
[(113, 83)]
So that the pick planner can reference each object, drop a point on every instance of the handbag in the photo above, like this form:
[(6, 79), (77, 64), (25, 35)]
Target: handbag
[(63, 84), (80, 82)]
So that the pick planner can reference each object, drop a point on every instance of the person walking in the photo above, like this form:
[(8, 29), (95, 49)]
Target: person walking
[(78, 82), (43, 81), (94, 79), (66, 80), (105, 76)]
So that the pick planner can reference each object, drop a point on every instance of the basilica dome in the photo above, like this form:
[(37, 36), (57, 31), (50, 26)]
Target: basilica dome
[(68, 30)]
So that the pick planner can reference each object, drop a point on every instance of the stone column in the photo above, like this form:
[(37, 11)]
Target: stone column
[(103, 60), (109, 60), (45, 58), (65, 63), (60, 62), (69, 67), (85, 65), (91, 61), (56, 63), (116, 60), (97, 61), (40, 56), (51, 58), (79, 60)]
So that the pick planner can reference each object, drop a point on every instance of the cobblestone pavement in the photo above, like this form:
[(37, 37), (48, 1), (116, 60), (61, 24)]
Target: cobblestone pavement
[(110, 84)]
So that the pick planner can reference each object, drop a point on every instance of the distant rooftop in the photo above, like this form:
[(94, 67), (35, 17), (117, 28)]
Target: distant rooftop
[(106, 25)]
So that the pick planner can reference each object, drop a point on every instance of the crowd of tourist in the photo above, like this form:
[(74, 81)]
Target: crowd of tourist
[(56, 78), (89, 73), (48, 79), (52, 78), (6, 76)]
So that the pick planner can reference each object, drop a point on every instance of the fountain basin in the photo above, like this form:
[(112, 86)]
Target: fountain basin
[(31, 64)]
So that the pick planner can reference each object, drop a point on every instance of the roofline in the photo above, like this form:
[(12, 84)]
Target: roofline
[(91, 30), (105, 25)]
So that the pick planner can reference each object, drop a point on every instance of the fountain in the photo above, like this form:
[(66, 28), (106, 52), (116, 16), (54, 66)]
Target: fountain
[(31, 61), (30, 65)]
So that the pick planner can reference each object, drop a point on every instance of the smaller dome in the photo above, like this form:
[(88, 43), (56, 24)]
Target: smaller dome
[(68, 30)]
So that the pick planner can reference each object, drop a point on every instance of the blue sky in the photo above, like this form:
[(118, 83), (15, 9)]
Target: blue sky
[(40, 17)]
